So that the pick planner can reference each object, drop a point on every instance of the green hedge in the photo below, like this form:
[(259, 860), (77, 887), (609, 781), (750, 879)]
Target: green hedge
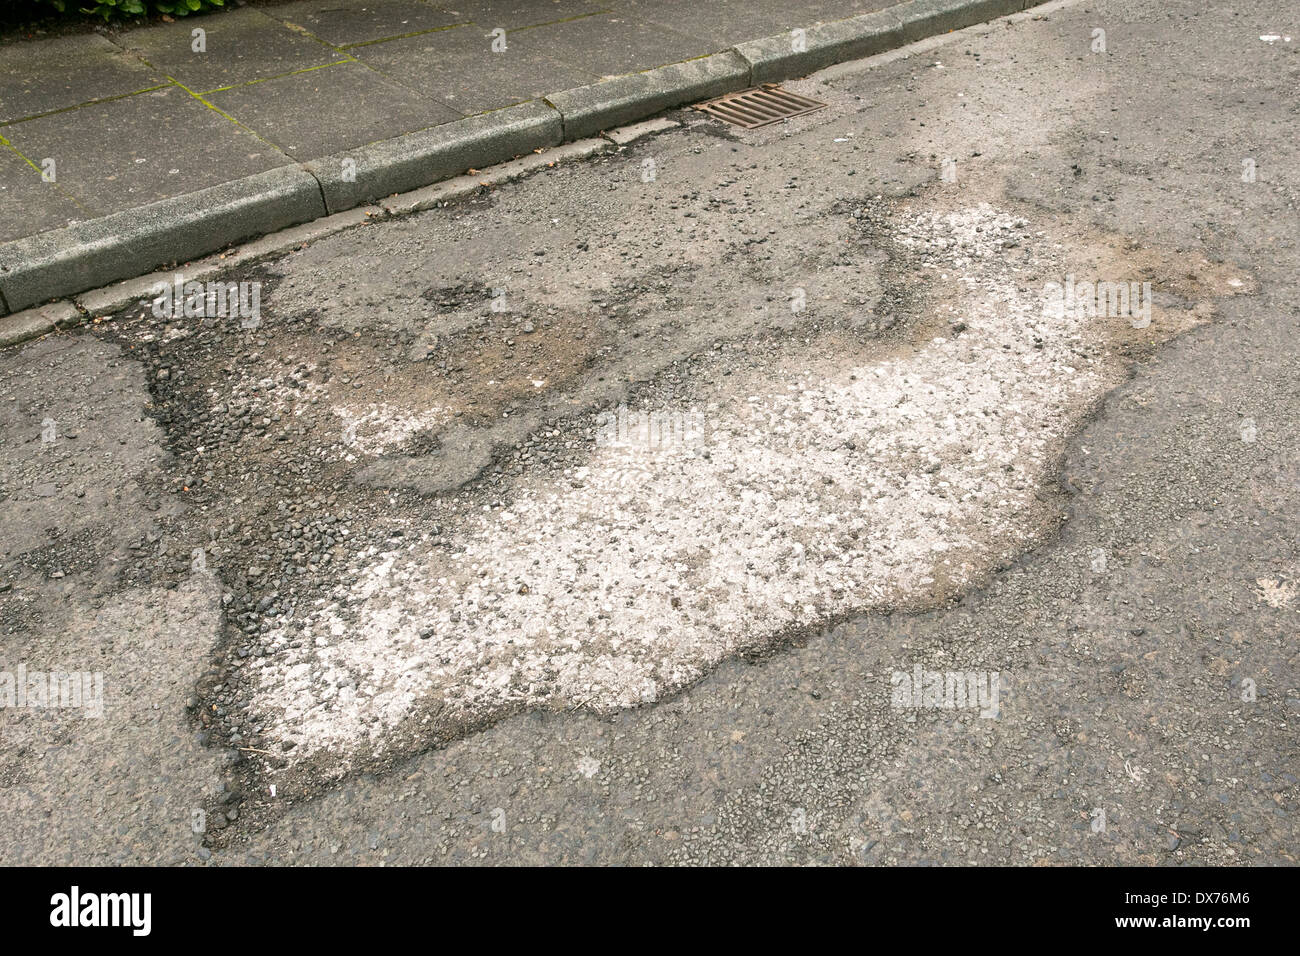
[(114, 9)]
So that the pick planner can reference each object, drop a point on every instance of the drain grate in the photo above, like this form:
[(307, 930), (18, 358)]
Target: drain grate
[(758, 107)]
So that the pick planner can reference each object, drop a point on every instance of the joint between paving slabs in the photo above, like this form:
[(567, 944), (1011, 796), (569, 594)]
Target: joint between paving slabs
[(551, 23), (399, 36), (94, 102), (280, 76), (222, 113), (56, 187)]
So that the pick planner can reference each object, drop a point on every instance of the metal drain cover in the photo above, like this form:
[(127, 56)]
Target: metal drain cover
[(759, 106)]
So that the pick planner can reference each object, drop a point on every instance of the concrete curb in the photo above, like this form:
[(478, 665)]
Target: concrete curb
[(37, 322), (89, 255), (588, 110), (626, 135), (94, 253), (122, 294), (772, 59), (775, 58), (927, 18), (430, 196), (409, 162)]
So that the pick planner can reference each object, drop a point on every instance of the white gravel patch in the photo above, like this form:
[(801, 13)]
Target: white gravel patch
[(365, 429), (280, 390), (377, 427), (631, 576)]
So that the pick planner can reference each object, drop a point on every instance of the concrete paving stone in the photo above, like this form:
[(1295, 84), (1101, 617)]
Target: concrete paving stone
[(826, 11), (285, 86), (513, 14), (723, 22), (614, 44), (124, 153), (727, 22), (46, 75), (323, 111), (485, 80), (241, 46), (28, 204), (344, 22)]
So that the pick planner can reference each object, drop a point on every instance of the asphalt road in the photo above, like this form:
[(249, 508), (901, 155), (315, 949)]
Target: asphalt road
[(607, 516)]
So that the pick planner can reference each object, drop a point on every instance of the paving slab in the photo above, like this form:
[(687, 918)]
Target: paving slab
[(484, 80), (29, 204), (346, 22), (613, 44), (128, 152), (47, 75), (826, 11), (323, 111), (512, 14), (241, 46), (721, 22)]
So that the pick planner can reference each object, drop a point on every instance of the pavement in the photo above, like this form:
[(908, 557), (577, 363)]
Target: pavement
[(623, 511), (129, 148)]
